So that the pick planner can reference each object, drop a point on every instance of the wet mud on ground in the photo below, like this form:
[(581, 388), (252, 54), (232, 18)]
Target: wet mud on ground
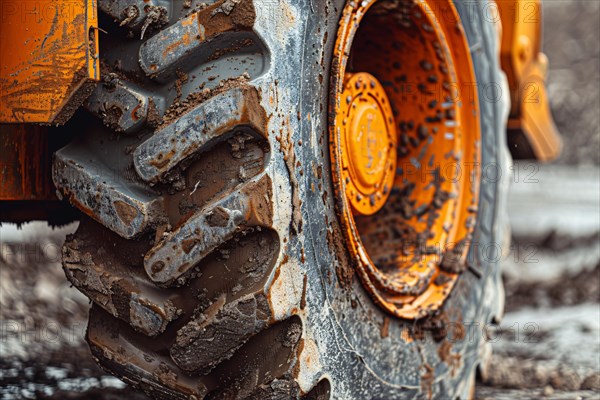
[(43, 322), (548, 344)]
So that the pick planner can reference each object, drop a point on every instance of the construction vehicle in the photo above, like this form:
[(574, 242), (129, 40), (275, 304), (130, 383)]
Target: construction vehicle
[(277, 198)]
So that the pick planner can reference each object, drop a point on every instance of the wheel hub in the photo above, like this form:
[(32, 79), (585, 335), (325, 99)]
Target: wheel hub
[(368, 143), (405, 152)]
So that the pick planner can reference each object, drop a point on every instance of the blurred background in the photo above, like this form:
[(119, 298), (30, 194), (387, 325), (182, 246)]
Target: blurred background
[(548, 344)]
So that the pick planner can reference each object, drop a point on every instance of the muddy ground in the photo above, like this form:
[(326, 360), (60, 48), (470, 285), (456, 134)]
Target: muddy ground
[(548, 344)]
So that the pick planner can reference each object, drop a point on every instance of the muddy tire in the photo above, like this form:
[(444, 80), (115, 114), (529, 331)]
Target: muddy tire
[(211, 247)]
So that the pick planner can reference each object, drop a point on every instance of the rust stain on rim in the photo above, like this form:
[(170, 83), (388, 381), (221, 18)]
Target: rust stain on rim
[(414, 114)]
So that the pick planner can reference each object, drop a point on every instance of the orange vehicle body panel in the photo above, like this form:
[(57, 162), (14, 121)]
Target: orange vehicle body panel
[(25, 162), (526, 68), (48, 59)]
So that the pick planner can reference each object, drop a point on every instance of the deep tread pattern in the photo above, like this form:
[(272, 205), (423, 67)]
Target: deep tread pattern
[(136, 360), (109, 270), (133, 13), (267, 357), (115, 279), (179, 140), (278, 389), (128, 208), (122, 106), (216, 334), (249, 373), (178, 278), (179, 251), (175, 45)]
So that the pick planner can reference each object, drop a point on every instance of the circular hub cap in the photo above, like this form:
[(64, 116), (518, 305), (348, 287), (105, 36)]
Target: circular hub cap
[(368, 143)]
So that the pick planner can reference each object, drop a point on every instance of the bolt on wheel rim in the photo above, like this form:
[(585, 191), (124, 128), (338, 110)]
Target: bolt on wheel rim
[(404, 146)]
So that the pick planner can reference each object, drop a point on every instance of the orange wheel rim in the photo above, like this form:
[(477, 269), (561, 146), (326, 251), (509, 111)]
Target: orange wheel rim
[(404, 144)]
